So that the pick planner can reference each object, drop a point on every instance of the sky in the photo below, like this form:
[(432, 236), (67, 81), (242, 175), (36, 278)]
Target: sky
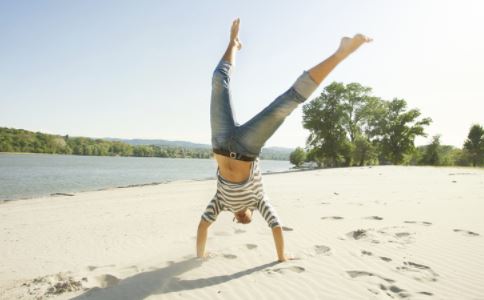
[(142, 69)]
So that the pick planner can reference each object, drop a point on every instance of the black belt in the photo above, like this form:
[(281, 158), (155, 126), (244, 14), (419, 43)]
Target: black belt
[(233, 155)]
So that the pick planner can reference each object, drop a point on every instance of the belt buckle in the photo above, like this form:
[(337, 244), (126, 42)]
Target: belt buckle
[(233, 155)]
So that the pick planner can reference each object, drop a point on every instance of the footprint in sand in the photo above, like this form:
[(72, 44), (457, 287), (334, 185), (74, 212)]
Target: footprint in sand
[(251, 246), (402, 234), (295, 269), (285, 228), (374, 218), (388, 286), (48, 286), (357, 234), (418, 272), (394, 289), (229, 256), (92, 268), (322, 249), (356, 274), (107, 280), (424, 223), (332, 218), (136, 269), (467, 232), (383, 235), (368, 253)]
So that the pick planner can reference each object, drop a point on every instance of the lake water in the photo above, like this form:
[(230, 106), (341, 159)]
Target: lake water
[(33, 175)]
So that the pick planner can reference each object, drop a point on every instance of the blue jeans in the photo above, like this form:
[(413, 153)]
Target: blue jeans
[(249, 138)]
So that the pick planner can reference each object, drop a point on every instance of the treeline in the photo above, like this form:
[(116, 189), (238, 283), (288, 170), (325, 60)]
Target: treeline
[(350, 127), (19, 140)]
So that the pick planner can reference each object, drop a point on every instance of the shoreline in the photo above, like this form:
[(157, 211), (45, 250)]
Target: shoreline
[(72, 194), (292, 170)]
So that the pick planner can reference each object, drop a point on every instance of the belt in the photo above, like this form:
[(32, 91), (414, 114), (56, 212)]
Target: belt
[(233, 155)]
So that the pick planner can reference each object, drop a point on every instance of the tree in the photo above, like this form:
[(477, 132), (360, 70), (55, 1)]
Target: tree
[(354, 100), (432, 154), (364, 151), (315, 155), (397, 129), (324, 117), (297, 157), (474, 145)]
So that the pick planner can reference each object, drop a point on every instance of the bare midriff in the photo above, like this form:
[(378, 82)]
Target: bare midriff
[(233, 170)]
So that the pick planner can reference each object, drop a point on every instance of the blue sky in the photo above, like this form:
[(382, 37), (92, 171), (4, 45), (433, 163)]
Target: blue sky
[(141, 69)]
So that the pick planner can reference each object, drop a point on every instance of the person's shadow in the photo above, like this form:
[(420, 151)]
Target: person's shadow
[(162, 281)]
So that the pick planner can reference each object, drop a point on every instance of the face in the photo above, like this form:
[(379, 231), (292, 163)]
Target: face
[(244, 216)]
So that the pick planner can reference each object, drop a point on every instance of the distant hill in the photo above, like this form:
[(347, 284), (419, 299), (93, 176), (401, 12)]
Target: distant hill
[(280, 153), (136, 142), (20, 140)]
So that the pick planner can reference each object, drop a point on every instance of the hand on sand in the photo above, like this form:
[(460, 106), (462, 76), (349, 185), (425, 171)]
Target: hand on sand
[(234, 34), (206, 255), (349, 45), (287, 257)]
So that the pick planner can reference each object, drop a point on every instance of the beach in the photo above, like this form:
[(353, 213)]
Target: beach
[(386, 232)]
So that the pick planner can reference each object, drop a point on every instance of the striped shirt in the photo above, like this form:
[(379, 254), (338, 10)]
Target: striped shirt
[(235, 197)]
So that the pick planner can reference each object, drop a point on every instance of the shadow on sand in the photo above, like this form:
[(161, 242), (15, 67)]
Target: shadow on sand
[(163, 281)]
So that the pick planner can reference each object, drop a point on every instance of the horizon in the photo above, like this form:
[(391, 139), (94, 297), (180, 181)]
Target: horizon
[(142, 71), (181, 141)]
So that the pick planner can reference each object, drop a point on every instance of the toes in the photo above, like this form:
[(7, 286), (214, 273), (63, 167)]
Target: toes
[(362, 38)]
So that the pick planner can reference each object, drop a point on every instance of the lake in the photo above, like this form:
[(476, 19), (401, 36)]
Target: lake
[(25, 175)]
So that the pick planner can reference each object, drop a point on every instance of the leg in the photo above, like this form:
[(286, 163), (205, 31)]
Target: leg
[(253, 134), (347, 46), (222, 118)]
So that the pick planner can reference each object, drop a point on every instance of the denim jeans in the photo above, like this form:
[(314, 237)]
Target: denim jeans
[(249, 138)]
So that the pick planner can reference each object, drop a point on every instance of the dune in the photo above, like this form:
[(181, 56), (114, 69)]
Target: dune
[(382, 232)]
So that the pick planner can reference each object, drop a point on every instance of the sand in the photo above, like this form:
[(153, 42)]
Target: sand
[(357, 233)]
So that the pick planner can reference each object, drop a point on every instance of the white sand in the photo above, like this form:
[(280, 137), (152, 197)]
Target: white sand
[(359, 233)]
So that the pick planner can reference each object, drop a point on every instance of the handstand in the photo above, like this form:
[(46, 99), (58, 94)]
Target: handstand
[(236, 147)]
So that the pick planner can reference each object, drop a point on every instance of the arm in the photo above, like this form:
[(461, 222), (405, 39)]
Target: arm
[(279, 242), (269, 214), (202, 237), (209, 216)]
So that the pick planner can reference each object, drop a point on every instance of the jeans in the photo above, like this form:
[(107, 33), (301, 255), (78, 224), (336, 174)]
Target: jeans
[(249, 138)]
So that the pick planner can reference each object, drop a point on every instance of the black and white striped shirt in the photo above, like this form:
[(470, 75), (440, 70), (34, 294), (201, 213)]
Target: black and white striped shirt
[(235, 197)]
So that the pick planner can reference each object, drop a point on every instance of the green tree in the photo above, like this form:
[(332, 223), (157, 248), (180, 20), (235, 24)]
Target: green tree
[(324, 117), (315, 155), (432, 154), (364, 151), (474, 145), (397, 129), (460, 157), (354, 99), (297, 157)]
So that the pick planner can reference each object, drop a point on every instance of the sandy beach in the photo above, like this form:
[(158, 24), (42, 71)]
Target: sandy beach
[(356, 233)]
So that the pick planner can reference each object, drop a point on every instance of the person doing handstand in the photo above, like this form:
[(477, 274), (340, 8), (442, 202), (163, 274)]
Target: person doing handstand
[(236, 147)]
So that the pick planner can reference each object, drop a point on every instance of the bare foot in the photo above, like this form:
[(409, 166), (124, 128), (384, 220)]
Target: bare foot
[(349, 45), (234, 34)]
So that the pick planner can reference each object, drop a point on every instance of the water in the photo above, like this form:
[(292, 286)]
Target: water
[(34, 175)]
